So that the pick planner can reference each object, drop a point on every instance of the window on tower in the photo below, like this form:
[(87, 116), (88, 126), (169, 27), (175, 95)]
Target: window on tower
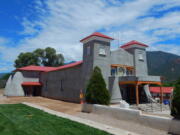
[(141, 58), (102, 51), (88, 50)]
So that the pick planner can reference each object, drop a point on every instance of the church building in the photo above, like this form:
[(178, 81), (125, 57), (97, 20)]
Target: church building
[(124, 70)]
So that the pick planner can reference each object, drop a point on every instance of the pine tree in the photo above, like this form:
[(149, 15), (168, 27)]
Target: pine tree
[(175, 105), (96, 92)]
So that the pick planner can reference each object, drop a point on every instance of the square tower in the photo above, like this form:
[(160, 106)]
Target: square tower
[(96, 52), (139, 52)]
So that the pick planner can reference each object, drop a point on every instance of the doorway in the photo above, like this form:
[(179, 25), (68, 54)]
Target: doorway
[(32, 91), (128, 93)]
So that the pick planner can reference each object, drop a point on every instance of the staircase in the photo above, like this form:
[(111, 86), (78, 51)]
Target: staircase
[(151, 107)]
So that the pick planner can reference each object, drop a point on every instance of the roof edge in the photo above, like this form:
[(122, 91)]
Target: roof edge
[(133, 42), (97, 34)]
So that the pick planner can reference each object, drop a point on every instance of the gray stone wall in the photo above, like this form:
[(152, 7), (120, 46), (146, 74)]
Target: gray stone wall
[(92, 59), (63, 84), (114, 89), (87, 66), (120, 56), (31, 76), (140, 65)]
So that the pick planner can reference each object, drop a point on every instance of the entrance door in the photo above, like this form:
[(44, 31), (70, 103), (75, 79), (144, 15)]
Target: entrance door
[(32, 90), (142, 95), (128, 93)]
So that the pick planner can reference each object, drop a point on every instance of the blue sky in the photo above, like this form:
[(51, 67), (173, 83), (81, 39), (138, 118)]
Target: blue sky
[(29, 24)]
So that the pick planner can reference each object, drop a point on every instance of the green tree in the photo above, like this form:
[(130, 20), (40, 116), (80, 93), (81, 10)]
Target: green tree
[(44, 57), (25, 59), (96, 92), (4, 79), (175, 105), (6, 76)]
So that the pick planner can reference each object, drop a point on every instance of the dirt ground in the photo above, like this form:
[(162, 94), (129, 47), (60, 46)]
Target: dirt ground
[(57, 105)]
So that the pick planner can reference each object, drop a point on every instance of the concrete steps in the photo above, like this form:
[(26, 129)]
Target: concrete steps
[(151, 107)]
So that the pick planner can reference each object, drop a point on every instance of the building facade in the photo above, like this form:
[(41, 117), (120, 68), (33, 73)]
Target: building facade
[(124, 70)]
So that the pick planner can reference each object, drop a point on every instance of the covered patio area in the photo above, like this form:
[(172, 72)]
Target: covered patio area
[(137, 83)]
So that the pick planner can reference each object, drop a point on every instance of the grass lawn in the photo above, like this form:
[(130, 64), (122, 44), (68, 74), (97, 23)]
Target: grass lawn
[(19, 119)]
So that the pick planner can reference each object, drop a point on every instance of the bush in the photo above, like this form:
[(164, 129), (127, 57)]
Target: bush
[(96, 92), (175, 105)]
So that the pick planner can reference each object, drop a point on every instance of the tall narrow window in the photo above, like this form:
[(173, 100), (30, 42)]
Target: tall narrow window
[(46, 85), (88, 50), (141, 56), (113, 71), (61, 85)]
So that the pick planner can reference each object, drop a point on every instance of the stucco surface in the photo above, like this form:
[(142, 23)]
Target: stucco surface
[(63, 84), (13, 85)]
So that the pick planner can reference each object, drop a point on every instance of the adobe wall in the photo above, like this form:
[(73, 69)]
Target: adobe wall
[(63, 84)]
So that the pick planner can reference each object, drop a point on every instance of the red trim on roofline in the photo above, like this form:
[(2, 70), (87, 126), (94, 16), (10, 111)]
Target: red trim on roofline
[(164, 89), (133, 42), (97, 34), (67, 66), (34, 68), (48, 69), (31, 84)]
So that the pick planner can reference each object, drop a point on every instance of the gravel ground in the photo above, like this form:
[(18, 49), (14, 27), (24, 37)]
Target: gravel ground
[(125, 125)]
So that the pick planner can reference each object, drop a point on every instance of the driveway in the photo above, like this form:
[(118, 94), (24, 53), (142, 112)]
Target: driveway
[(57, 105)]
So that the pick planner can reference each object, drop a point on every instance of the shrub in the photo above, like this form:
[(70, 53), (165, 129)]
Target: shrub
[(96, 92), (175, 105)]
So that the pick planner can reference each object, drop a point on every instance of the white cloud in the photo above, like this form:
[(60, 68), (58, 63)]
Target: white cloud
[(171, 48), (3, 41), (64, 22)]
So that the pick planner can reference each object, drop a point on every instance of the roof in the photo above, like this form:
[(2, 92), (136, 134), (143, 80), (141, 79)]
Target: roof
[(97, 34), (133, 42), (31, 84), (67, 66), (48, 69), (164, 89), (35, 68)]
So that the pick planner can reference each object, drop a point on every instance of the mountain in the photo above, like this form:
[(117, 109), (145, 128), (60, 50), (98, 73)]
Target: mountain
[(2, 74), (164, 64)]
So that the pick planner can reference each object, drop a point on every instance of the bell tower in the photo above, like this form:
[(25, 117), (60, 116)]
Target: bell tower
[(138, 50), (96, 52)]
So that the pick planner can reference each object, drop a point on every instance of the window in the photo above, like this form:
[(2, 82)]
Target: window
[(88, 50), (129, 72), (121, 71), (61, 85), (141, 56), (113, 71), (102, 51), (46, 85)]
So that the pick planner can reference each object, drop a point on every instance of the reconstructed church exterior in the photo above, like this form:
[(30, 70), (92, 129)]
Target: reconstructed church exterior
[(124, 70)]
